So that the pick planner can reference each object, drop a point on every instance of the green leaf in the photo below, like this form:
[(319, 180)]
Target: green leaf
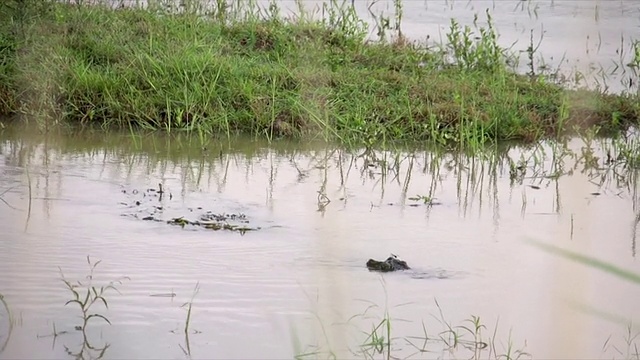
[(98, 316), (72, 288), (86, 299), (73, 301), (104, 301)]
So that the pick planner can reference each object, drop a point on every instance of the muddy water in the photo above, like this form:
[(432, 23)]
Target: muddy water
[(298, 284)]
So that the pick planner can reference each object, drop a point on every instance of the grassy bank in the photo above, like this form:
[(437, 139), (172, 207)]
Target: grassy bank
[(250, 71)]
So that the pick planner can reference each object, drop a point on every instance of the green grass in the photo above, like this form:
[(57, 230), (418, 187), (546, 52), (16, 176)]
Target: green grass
[(377, 337), (239, 70)]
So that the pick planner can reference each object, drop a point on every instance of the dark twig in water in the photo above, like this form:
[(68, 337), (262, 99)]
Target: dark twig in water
[(5, 202), (172, 294)]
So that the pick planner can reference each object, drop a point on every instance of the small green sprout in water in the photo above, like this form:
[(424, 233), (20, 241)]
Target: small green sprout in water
[(188, 305), (90, 294), (427, 200), (376, 342)]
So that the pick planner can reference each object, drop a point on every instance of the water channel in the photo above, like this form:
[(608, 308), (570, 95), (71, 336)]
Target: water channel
[(298, 283), (295, 282)]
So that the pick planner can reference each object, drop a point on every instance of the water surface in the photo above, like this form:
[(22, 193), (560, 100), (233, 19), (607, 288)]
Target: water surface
[(297, 284)]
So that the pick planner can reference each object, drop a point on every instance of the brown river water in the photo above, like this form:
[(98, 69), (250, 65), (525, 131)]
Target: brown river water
[(299, 284)]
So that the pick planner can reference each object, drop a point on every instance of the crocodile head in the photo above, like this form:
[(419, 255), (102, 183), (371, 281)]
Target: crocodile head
[(391, 264)]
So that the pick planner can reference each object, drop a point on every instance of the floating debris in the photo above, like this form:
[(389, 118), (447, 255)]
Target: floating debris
[(426, 200), (215, 222), (151, 206)]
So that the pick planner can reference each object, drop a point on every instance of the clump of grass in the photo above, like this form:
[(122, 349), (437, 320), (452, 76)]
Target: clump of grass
[(381, 340), (482, 54), (378, 340), (466, 340), (86, 295), (8, 44), (238, 68)]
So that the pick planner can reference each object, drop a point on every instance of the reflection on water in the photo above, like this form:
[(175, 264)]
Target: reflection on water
[(299, 283)]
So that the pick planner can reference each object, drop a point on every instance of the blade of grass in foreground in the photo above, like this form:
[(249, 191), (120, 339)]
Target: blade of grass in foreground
[(586, 260), (602, 314)]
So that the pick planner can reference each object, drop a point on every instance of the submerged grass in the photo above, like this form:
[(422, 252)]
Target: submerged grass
[(219, 68)]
